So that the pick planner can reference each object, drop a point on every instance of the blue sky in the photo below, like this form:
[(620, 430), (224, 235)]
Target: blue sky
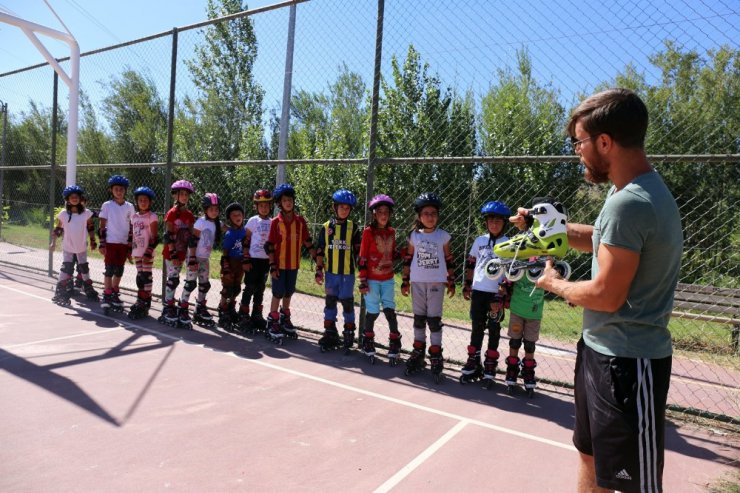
[(574, 45)]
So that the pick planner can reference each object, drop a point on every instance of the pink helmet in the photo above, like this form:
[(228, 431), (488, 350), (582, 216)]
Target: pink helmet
[(379, 200), (182, 185)]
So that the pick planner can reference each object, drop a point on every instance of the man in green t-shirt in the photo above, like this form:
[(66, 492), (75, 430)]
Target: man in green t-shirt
[(624, 358)]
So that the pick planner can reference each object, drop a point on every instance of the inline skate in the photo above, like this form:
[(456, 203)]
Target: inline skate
[(288, 328), (259, 324), (394, 348), (436, 363), (330, 340), (183, 317), (528, 366), (368, 345), (348, 335), (489, 368), (512, 373), (275, 329), (415, 362), (139, 309), (61, 294), (473, 370), (202, 317), (89, 290), (245, 322), (526, 252), (116, 305), (169, 315)]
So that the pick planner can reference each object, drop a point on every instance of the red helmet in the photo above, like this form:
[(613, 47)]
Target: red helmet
[(262, 195)]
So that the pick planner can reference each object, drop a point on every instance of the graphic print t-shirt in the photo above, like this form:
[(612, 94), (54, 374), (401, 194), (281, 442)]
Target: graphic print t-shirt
[(428, 263)]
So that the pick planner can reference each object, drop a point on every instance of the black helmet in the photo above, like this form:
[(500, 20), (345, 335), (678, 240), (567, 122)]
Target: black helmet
[(427, 199), (234, 206)]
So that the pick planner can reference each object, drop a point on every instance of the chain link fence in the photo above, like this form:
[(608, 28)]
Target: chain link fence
[(473, 98)]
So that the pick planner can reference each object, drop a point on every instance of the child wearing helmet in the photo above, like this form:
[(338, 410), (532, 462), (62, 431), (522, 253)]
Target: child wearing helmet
[(234, 251), (336, 247), (377, 253), (257, 266), (206, 234), (178, 228), (427, 271), (144, 238), (485, 296), (288, 233), (115, 224), (74, 224)]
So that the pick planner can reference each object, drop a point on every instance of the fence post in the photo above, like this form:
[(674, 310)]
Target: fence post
[(52, 172), (287, 90), (370, 190), (170, 147), (4, 109)]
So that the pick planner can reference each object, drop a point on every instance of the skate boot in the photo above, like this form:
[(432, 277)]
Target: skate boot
[(258, 321), (138, 310), (233, 317), (183, 317), (90, 291), (394, 348), (473, 370), (79, 282), (61, 294), (106, 302), (512, 372), (275, 329), (489, 368), (70, 287), (169, 314), (368, 345), (202, 317), (116, 304), (349, 337), (330, 340), (528, 366), (436, 363), (288, 327), (415, 363), (224, 320), (245, 321)]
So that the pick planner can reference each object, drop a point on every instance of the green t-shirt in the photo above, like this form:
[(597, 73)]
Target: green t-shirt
[(525, 302), (643, 218)]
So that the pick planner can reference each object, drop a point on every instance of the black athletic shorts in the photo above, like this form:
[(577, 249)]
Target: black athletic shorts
[(620, 418)]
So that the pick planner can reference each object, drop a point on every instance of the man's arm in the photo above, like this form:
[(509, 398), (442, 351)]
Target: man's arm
[(579, 237), (607, 292)]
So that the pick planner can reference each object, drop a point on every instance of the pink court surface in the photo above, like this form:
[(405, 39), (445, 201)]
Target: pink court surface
[(101, 403)]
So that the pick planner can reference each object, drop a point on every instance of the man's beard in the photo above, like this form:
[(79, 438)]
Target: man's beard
[(597, 172)]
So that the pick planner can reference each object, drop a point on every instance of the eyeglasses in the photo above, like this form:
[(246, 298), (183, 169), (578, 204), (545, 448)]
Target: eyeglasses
[(577, 143)]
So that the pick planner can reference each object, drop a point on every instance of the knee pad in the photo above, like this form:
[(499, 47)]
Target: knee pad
[(118, 271), (494, 324), (68, 268), (515, 343), (420, 321), (348, 304), (173, 282), (140, 280), (148, 278), (190, 285), (204, 287), (83, 268), (331, 302), (109, 270), (529, 346), (435, 324)]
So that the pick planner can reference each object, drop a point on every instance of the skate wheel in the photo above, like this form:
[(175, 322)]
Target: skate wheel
[(533, 274), (509, 389), (563, 269), (462, 380), (437, 378), (530, 393), (514, 274), (393, 361), (407, 372), (372, 360), (487, 384)]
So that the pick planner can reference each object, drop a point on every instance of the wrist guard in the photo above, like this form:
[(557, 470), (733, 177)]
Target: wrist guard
[(58, 232), (193, 241), (273, 268)]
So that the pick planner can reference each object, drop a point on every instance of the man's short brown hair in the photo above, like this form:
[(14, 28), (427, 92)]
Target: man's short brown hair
[(620, 113)]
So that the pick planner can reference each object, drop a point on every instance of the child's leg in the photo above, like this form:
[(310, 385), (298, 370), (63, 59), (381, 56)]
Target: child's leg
[(516, 333), (331, 298), (435, 300), (204, 280), (478, 317), (61, 293), (191, 282), (419, 308), (531, 336), (347, 299)]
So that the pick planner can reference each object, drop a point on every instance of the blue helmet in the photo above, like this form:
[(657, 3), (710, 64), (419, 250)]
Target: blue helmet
[(495, 208), (118, 180), (73, 189), (343, 196), (144, 191), (283, 189)]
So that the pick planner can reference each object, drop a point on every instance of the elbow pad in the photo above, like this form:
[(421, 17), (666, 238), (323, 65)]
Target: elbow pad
[(58, 232), (167, 238)]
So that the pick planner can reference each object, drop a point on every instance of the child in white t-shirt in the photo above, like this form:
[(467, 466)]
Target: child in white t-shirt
[(115, 225), (144, 239), (257, 266), (206, 234), (74, 224), (427, 271)]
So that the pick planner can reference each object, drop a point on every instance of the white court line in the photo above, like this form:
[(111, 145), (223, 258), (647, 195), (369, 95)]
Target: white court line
[(343, 386), (419, 459)]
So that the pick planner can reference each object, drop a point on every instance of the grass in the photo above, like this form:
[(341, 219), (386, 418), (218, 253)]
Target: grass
[(706, 341)]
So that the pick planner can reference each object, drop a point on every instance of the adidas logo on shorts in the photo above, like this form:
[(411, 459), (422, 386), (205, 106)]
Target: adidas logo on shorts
[(623, 475)]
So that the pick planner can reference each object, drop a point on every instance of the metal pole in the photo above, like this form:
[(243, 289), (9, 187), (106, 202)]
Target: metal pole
[(370, 190), (170, 133), (4, 107), (52, 172), (287, 89)]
